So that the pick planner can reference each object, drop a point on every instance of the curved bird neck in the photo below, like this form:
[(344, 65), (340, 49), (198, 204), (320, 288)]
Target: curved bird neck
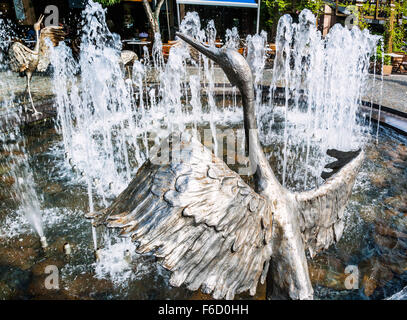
[(37, 43), (263, 174)]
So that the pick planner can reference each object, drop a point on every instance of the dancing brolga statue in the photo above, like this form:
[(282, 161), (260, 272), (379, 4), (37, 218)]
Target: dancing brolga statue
[(212, 230), (27, 61)]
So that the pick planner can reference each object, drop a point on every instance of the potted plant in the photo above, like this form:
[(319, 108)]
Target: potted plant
[(383, 62), (387, 66)]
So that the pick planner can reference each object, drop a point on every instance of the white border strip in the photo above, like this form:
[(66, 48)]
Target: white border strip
[(218, 3)]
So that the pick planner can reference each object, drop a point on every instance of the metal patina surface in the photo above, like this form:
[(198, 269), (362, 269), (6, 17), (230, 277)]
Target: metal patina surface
[(214, 231), (24, 60)]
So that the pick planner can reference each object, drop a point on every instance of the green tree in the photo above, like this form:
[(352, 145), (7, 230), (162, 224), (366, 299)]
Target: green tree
[(277, 8), (152, 16), (398, 32), (107, 3)]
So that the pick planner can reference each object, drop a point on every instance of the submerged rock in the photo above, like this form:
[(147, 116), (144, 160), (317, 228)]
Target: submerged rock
[(392, 167), (7, 180), (400, 164), (20, 252), (14, 279), (317, 275), (332, 276), (379, 181), (375, 274), (86, 286), (387, 242), (402, 151), (387, 231), (6, 293), (53, 188), (38, 291), (39, 268), (199, 295), (368, 214), (396, 201), (4, 170), (7, 153), (369, 285), (373, 154), (391, 213)]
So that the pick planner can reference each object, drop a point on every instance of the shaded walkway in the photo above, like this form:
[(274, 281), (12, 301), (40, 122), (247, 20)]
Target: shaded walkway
[(394, 87)]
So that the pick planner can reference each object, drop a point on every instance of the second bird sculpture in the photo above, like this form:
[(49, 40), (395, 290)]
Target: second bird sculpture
[(27, 61), (127, 59), (211, 229)]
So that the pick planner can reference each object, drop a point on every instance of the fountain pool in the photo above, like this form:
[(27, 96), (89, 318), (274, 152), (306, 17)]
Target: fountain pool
[(375, 238), (105, 129)]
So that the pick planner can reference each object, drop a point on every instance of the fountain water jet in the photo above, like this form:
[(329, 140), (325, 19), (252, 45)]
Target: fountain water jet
[(324, 80), (107, 124), (256, 58), (138, 119), (13, 142), (182, 200)]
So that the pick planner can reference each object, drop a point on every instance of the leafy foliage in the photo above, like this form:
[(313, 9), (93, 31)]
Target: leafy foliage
[(277, 8), (107, 3), (398, 32), (380, 55)]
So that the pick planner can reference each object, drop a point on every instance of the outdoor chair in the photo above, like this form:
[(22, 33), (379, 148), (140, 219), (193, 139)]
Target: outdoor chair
[(166, 50), (270, 54), (403, 63)]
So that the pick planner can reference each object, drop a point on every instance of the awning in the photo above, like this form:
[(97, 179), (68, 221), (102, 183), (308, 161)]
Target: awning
[(225, 3)]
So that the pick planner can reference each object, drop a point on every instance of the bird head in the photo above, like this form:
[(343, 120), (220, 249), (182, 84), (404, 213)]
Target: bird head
[(37, 25), (232, 62)]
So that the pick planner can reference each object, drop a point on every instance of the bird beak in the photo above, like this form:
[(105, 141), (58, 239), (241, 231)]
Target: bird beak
[(40, 19), (211, 52)]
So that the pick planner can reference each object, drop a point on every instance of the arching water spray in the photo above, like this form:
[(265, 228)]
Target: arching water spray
[(17, 162), (324, 79)]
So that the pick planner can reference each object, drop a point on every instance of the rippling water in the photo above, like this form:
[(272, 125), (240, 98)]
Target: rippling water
[(375, 238)]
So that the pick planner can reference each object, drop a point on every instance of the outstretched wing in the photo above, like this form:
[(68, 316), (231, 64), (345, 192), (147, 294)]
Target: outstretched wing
[(20, 57), (204, 222), (55, 35), (128, 56), (321, 211)]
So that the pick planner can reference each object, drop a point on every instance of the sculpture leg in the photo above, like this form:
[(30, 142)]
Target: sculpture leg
[(288, 276), (129, 72), (25, 94), (29, 76)]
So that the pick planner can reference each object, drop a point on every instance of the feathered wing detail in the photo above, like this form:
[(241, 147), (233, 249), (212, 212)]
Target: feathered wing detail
[(55, 35), (21, 57), (205, 223), (321, 211), (128, 56)]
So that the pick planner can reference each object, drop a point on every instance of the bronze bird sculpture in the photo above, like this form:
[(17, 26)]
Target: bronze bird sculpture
[(211, 229), (27, 61), (127, 59)]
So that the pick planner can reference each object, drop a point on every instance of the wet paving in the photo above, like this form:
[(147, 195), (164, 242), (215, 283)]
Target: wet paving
[(394, 87), (394, 91)]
